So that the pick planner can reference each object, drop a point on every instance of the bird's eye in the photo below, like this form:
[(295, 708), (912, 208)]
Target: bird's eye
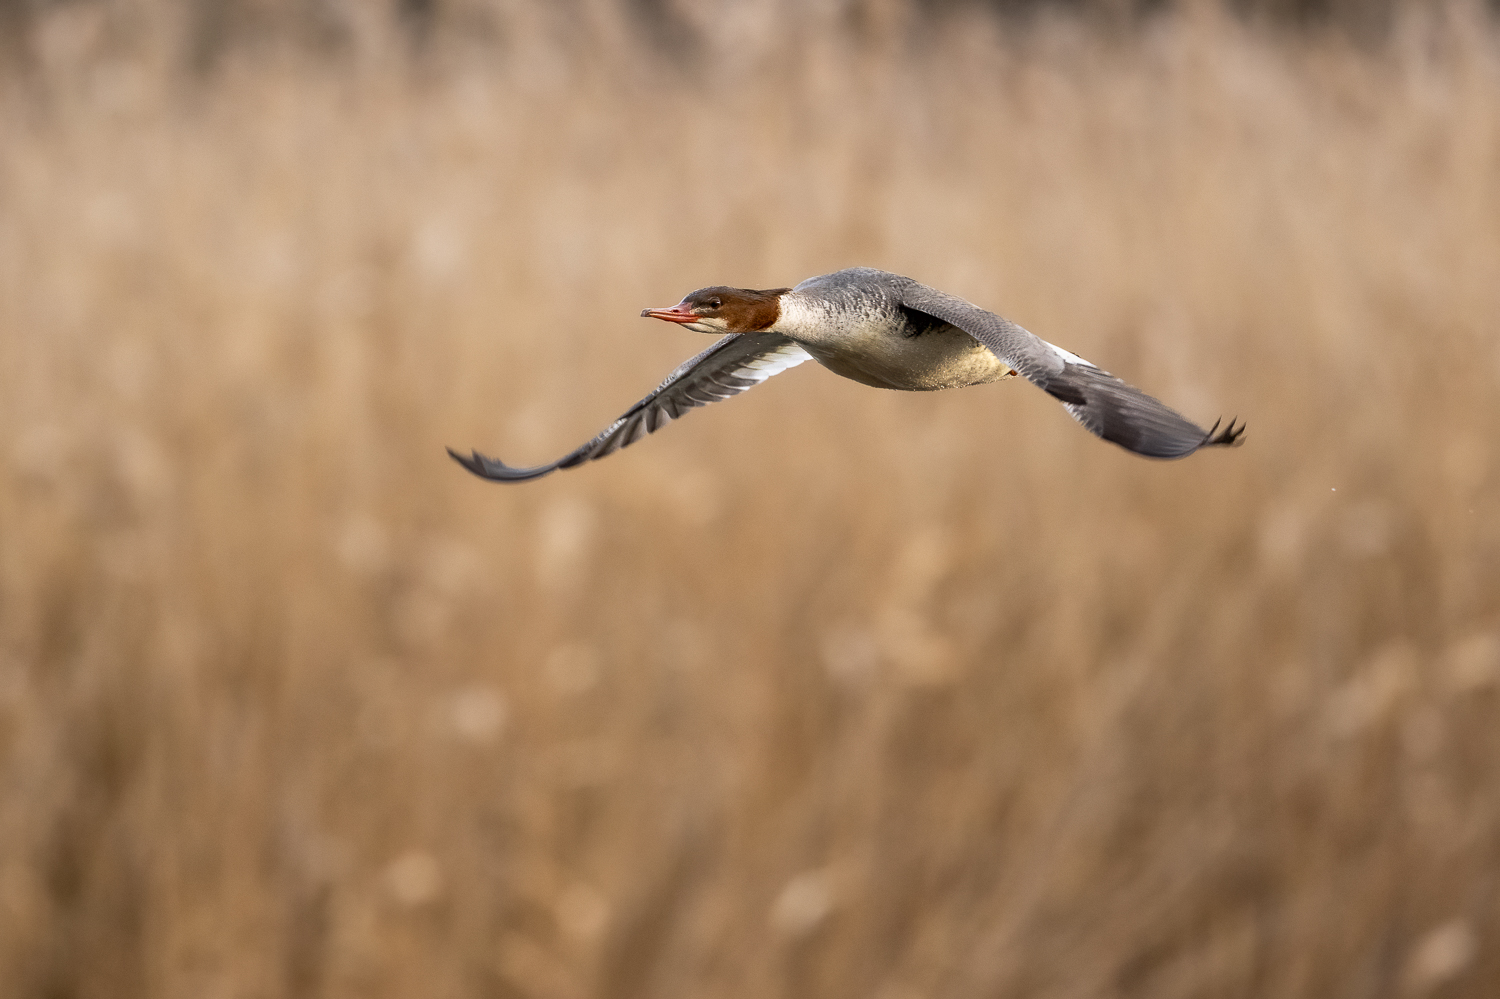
[(714, 303)]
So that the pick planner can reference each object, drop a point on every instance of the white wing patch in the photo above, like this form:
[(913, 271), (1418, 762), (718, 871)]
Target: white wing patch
[(774, 363), (1067, 355)]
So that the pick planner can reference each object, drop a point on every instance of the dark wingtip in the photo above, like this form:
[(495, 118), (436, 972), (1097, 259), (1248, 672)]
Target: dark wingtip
[(472, 464), (495, 470), (1230, 436)]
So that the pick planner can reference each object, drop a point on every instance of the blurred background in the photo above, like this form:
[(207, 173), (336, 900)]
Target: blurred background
[(822, 691)]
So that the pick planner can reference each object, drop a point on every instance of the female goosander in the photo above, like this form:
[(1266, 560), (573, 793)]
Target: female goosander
[(884, 330)]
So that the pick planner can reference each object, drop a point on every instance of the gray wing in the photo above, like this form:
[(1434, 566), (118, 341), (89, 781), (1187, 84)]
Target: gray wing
[(1104, 404), (729, 367)]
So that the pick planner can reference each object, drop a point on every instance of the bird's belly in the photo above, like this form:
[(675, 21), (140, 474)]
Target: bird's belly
[(938, 359)]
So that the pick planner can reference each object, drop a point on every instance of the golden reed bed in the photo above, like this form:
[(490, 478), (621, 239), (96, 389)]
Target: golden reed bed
[(821, 691)]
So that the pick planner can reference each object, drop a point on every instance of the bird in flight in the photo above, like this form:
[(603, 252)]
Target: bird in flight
[(884, 330)]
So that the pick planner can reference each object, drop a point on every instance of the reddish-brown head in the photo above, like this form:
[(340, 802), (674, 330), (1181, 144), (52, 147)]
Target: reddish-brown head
[(725, 310)]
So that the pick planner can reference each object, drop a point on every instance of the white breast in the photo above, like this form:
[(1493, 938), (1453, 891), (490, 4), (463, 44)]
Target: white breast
[(868, 346), (816, 321)]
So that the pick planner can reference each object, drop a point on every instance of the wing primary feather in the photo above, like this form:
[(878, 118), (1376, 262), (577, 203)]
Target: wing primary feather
[(1105, 405), (733, 364), (498, 471)]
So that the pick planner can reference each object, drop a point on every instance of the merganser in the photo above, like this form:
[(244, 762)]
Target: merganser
[(884, 330)]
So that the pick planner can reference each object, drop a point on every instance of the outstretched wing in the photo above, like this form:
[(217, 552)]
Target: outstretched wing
[(1104, 404), (729, 367)]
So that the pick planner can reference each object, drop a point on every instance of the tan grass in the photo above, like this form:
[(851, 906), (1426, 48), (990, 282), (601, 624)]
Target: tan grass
[(822, 691)]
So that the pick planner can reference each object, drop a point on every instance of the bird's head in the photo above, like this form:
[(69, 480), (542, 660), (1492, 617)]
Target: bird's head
[(724, 310)]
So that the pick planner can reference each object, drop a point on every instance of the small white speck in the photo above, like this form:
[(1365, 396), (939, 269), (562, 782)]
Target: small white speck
[(1334, 489)]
